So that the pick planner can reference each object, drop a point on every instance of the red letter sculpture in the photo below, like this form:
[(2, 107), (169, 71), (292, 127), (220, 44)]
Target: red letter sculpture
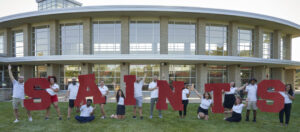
[(42, 94), (217, 93), (164, 92), (275, 96), (88, 88), (129, 80)]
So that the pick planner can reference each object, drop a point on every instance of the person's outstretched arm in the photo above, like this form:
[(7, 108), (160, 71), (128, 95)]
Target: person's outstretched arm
[(10, 74), (242, 88), (197, 93)]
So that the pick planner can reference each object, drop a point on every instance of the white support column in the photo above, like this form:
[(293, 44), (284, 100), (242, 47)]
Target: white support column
[(290, 77), (164, 22), (234, 74), (201, 37), (164, 71), (87, 36), (278, 74), (124, 71), (27, 40), (125, 35), (232, 39), (54, 41), (276, 48), (8, 42), (201, 76), (260, 73), (287, 44), (26, 71), (86, 68), (258, 42)]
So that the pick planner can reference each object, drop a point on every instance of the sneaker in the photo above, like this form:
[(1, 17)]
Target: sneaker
[(102, 117), (150, 117), (160, 116), (46, 118), (59, 118), (16, 121), (254, 120), (198, 116), (134, 117), (141, 117), (30, 119), (247, 119)]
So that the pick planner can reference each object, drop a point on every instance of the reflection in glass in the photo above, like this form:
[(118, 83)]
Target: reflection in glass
[(18, 44), (267, 45), (66, 74), (40, 71), (216, 40), (1, 43), (144, 37), (246, 74), (186, 73), (107, 73), (41, 41), (106, 37), (282, 51), (182, 37), (71, 39), (217, 74), (151, 70), (245, 42)]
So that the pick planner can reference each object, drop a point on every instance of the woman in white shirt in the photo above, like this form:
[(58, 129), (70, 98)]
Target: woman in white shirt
[(104, 91), (236, 110), (53, 90), (120, 98), (206, 103), (185, 100), (288, 97), (229, 97)]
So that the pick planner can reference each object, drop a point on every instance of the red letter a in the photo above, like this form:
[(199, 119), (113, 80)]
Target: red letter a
[(41, 93), (164, 92), (88, 88), (275, 96), (217, 93)]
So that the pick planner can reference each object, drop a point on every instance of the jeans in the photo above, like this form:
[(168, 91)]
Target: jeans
[(153, 101), (287, 111), (84, 119), (185, 103)]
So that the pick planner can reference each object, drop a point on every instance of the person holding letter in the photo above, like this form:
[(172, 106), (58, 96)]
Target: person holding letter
[(18, 95), (288, 97), (138, 95), (251, 91), (71, 94), (206, 102), (86, 112), (53, 90)]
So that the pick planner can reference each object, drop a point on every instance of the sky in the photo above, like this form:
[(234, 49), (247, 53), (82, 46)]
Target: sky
[(285, 9)]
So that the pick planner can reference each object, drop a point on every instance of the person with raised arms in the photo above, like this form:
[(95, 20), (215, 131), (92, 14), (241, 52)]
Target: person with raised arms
[(206, 103), (138, 95), (71, 94), (236, 112), (229, 98), (289, 96), (104, 91), (86, 112), (53, 90), (18, 95)]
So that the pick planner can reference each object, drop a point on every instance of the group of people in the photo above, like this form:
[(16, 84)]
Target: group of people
[(233, 103)]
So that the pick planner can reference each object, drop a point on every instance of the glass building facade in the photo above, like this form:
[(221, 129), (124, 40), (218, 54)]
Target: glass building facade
[(182, 37), (217, 74), (150, 70), (1, 43), (106, 37), (109, 73), (18, 44), (185, 73), (245, 42), (216, 40), (41, 41), (144, 37), (66, 74), (40, 71), (267, 45), (71, 39), (56, 4)]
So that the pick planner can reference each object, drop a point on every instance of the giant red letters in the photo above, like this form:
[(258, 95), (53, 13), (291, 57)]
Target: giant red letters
[(217, 89), (275, 96), (88, 88), (33, 93), (129, 80), (164, 92)]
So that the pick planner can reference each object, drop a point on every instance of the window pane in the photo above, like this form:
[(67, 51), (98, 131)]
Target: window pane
[(186, 73), (217, 74), (151, 70), (245, 42), (18, 44), (144, 37), (216, 40), (182, 38), (109, 74), (267, 45), (1, 43), (71, 39), (41, 41)]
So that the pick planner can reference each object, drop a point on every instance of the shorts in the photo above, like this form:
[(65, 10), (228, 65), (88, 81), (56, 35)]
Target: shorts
[(229, 100), (71, 103), (54, 99), (16, 102), (139, 101), (252, 105), (120, 109), (202, 110), (105, 100)]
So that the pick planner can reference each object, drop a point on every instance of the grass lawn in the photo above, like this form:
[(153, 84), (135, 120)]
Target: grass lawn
[(266, 122)]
